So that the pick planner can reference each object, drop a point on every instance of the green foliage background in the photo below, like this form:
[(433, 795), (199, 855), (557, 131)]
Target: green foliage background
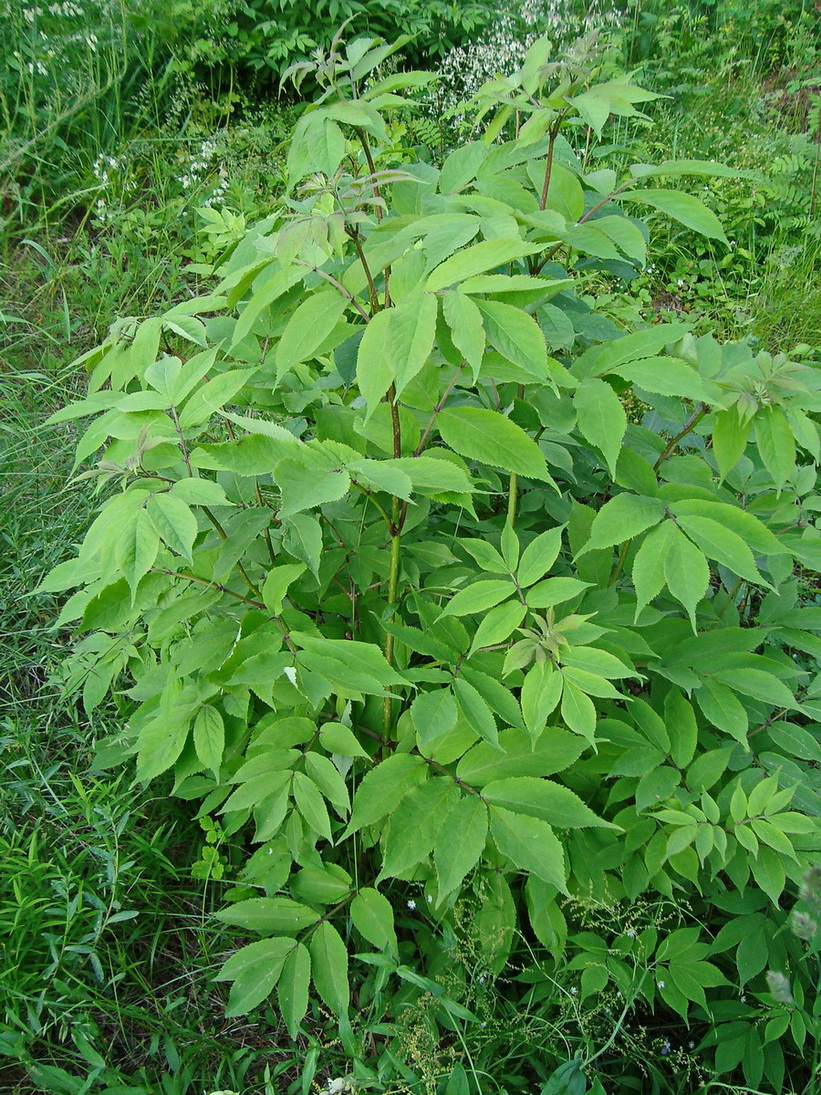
[(456, 618)]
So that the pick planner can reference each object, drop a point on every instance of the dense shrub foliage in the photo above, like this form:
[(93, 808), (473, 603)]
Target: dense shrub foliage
[(484, 623)]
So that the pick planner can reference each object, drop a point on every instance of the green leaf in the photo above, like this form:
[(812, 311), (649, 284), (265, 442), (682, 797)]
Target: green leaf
[(553, 591), (276, 585), (723, 545), (540, 695), (433, 714), (539, 556), (209, 738), (460, 842), (759, 684), (478, 259), (412, 334), (200, 492), (614, 97), (768, 871), (599, 360), (461, 165), (601, 418), (730, 436), (292, 988), (269, 915), (723, 709), (622, 518), (160, 743), (490, 438), (209, 397), (372, 917), (255, 970), (375, 365), (433, 476), (593, 660), (137, 545), (497, 697), (479, 597), (307, 329), (553, 751), (258, 787), (326, 144), (485, 555), (682, 207), (686, 572), (746, 525), (311, 805), (329, 960), (680, 720), (326, 776), (540, 798), (303, 538), (675, 168), (339, 739), (466, 329), (383, 788), (578, 712), (476, 711), (413, 826), (626, 235), (498, 624), (665, 376), (379, 475), (776, 444), (530, 844), (515, 334), (309, 481)]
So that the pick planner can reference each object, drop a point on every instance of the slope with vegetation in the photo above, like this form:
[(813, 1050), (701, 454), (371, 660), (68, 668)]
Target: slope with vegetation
[(431, 503)]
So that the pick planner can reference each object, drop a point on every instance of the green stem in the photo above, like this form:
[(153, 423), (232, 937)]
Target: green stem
[(395, 527), (388, 520), (625, 547), (357, 242), (548, 167), (393, 589), (337, 285), (590, 213), (730, 597), (688, 427), (366, 148), (512, 499), (224, 536), (211, 585), (513, 495)]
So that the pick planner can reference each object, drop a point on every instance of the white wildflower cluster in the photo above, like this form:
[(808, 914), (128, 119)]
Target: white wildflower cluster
[(103, 169), (67, 10), (502, 49), (201, 167), (338, 1086)]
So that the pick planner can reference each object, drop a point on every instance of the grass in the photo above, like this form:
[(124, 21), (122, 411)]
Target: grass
[(108, 943)]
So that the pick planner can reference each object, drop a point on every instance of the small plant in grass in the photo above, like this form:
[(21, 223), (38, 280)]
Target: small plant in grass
[(406, 603)]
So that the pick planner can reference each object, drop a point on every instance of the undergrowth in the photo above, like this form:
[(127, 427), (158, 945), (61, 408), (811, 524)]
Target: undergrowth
[(107, 892)]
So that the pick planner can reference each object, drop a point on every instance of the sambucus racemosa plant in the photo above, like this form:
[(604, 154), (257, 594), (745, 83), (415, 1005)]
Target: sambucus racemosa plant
[(406, 596)]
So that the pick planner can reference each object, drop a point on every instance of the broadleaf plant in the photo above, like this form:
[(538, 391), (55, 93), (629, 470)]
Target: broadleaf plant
[(403, 592)]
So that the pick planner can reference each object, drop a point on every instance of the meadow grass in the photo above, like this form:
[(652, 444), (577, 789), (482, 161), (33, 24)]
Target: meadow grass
[(101, 988)]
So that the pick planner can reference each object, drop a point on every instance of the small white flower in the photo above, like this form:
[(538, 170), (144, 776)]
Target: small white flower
[(411, 904), (662, 984), (574, 991), (336, 1086)]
